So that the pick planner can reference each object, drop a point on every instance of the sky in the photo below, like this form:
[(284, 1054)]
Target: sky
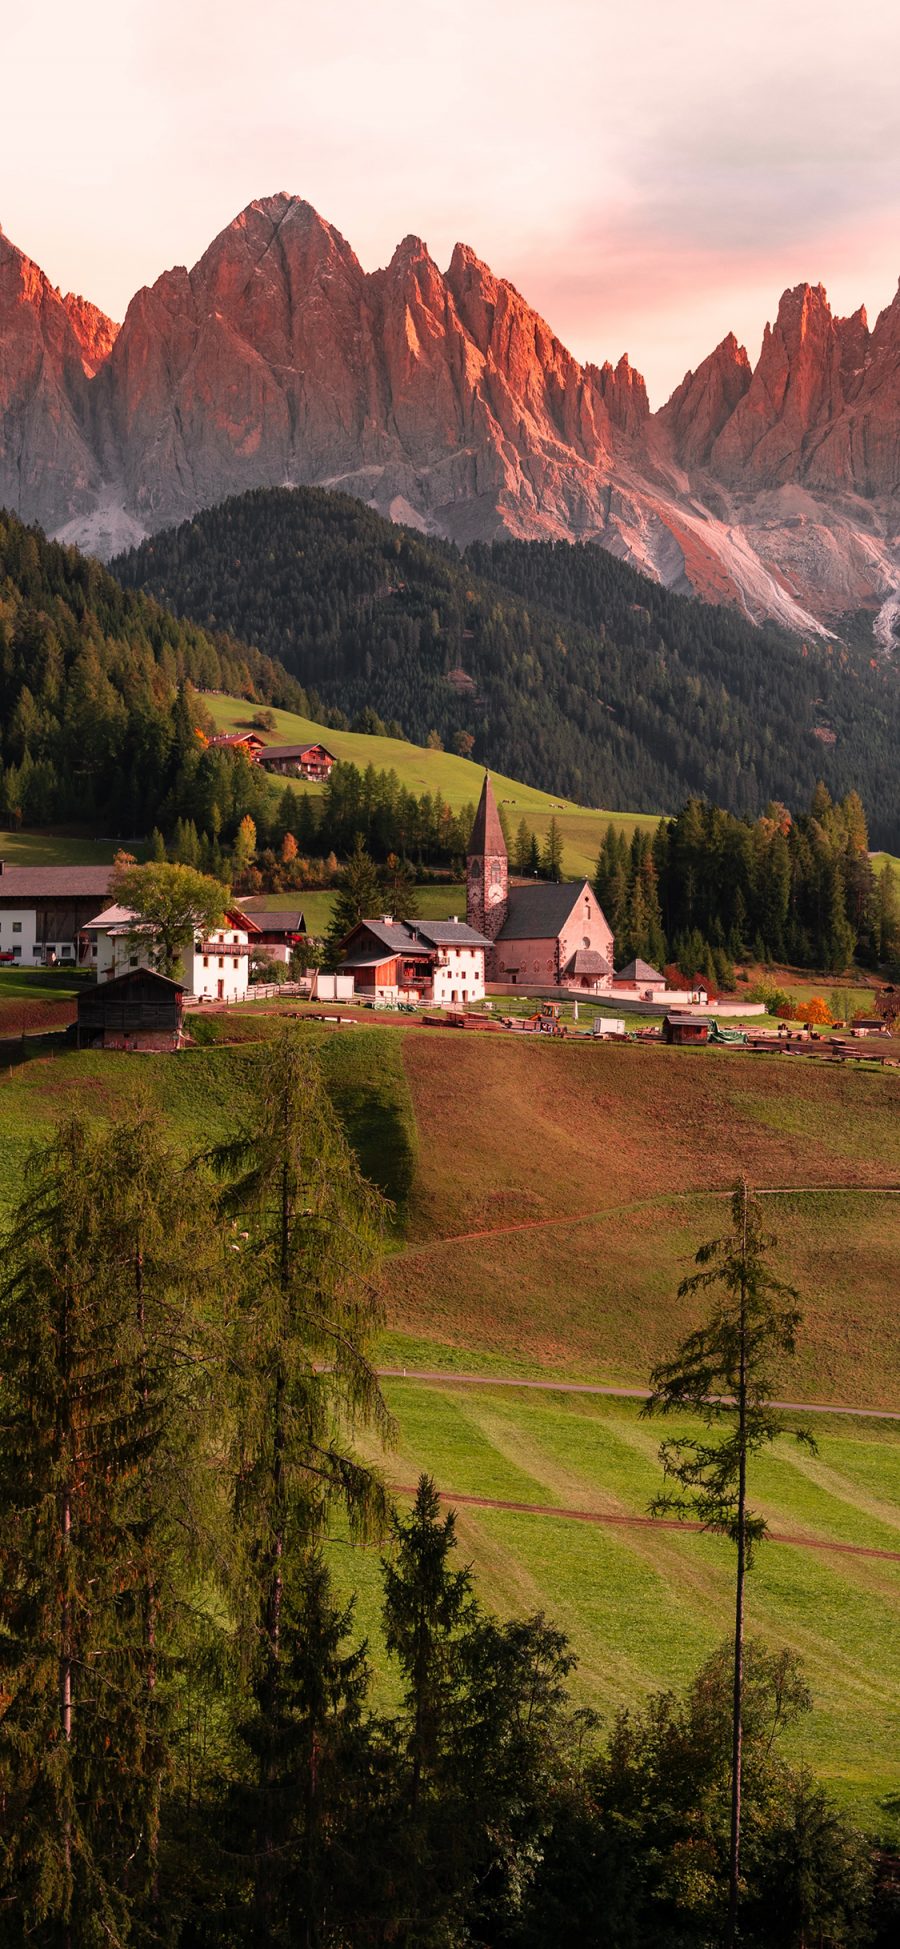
[(650, 175)]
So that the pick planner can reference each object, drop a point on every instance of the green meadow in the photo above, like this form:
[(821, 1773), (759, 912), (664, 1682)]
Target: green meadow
[(546, 1200)]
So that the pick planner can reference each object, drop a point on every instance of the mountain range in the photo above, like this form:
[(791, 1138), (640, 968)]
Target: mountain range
[(445, 401)]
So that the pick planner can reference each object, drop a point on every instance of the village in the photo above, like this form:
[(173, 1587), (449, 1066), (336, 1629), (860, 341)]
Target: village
[(526, 958)]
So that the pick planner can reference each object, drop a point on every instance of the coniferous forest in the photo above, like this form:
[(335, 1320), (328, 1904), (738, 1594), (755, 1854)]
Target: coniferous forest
[(192, 1749), (564, 666), (90, 678)]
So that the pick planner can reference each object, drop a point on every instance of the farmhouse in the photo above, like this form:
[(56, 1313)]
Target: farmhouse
[(215, 968), (139, 1009), (434, 960), (275, 935), (311, 761), (43, 910), (248, 742), (540, 934)]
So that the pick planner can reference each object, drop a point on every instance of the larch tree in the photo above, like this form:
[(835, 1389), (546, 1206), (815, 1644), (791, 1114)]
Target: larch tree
[(96, 1435), (310, 1226), (725, 1374)]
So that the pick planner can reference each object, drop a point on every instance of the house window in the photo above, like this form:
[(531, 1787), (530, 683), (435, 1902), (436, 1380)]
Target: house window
[(17, 927), (133, 961), (221, 960), (234, 962), (206, 960), (17, 954)]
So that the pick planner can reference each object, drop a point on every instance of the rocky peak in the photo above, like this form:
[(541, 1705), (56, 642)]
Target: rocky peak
[(624, 396), (96, 334), (691, 421)]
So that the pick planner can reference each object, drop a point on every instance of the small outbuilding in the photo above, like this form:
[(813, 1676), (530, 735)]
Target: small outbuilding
[(679, 1027), (139, 1009), (638, 974)]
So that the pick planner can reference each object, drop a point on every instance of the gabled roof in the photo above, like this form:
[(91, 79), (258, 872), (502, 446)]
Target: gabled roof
[(487, 832), (414, 937), (131, 975), (587, 961), (540, 912), (297, 751), (36, 882), (390, 934), (273, 922), (640, 971), (450, 933), (111, 917)]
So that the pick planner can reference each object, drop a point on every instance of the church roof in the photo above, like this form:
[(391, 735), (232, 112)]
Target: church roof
[(588, 961), (487, 832), (640, 971), (539, 912)]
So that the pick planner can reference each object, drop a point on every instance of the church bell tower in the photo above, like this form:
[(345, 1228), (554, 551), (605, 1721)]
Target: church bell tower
[(487, 868)]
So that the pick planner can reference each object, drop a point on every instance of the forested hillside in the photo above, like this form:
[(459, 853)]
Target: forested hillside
[(89, 687), (561, 664)]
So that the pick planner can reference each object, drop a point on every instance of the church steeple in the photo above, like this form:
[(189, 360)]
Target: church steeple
[(487, 868)]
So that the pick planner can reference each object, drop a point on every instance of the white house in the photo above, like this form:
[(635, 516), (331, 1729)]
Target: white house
[(417, 960), (43, 910), (216, 968)]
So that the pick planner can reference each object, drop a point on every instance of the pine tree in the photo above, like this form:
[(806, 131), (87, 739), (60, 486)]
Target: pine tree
[(99, 1417), (521, 853), (727, 1373), (399, 889), (357, 898), (552, 852), (302, 1378), (427, 1605)]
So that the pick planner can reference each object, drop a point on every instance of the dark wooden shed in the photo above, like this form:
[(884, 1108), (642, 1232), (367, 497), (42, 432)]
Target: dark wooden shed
[(136, 1010), (681, 1028)]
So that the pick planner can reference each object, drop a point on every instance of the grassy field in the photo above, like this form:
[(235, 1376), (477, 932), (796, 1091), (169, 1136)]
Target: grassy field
[(316, 904), (457, 779), (644, 1606), (36, 1000), (58, 849), (547, 1199)]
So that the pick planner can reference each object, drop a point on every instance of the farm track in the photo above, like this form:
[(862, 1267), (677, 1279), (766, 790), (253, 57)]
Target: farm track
[(638, 1204), (445, 1377), (643, 1522)]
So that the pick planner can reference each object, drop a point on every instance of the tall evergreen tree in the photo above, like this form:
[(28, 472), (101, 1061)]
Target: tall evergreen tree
[(726, 1373), (358, 898), (303, 1382), (99, 1417)]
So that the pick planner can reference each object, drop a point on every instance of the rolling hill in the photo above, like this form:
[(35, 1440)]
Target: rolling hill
[(548, 1198), (564, 666)]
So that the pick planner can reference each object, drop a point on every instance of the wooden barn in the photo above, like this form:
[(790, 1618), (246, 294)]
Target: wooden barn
[(139, 1009), (312, 761), (684, 1029)]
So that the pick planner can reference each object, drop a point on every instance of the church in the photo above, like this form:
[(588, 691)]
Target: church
[(542, 934)]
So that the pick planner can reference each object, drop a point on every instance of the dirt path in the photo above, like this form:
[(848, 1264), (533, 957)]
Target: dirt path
[(643, 1522), (639, 1204), (445, 1377)]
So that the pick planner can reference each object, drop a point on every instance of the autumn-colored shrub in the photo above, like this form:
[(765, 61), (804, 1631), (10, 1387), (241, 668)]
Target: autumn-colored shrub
[(816, 1012)]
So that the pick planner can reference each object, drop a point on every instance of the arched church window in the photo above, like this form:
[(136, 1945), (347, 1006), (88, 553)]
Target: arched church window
[(496, 873)]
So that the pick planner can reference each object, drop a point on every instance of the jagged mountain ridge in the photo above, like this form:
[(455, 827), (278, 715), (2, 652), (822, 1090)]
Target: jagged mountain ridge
[(446, 402)]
